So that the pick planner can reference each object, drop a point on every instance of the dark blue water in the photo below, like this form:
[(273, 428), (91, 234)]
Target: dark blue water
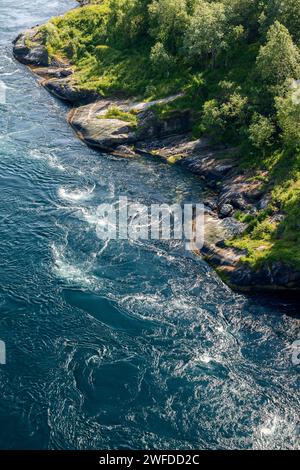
[(129, 345)]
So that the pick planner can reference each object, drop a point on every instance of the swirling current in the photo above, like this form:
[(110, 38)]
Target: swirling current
[(123, 345)]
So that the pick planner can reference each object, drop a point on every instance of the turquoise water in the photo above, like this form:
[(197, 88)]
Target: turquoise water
[(125, 345)]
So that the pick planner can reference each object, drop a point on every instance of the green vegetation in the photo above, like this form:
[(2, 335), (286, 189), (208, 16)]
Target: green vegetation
[(116, 113), (237, 62)]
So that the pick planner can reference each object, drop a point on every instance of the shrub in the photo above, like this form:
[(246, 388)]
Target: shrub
[(279, 59), (261, 132), (288, 115), (161, 60)]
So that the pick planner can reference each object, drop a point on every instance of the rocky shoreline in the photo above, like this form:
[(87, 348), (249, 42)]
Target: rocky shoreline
[(139, 130)]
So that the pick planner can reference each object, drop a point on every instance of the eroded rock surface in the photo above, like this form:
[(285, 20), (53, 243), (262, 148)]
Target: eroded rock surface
[(96, 128)]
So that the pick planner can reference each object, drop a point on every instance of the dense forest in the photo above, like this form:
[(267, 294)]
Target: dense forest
[(237, 63)]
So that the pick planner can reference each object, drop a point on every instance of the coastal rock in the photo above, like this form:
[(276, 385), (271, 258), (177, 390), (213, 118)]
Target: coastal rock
[(214, 164), (53, 72), (29, 50), (150, 126), (241, 192), (96, 128), (275, 276), (225, 210), (174, 148), (124, 151), (212, 204), (93, 128), (209, 164), (264, 202), (219, 256), (68, 90), (233, 227)]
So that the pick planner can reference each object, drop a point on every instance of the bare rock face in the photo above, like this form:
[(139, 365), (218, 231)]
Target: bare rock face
[(90, 124), (241, 192), (68, 90), (275, 276), (53, 72), (209, 164), (150, 127)]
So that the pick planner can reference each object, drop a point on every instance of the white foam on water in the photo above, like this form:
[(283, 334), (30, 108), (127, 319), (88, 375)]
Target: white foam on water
[(54, 163), (75, 195), (269, 427), (88, 215), (36, 155), (6, 57), (278, 432), (220, 329), (69, 271), (105, 246), (8, 74), (205, 358), (51, 160)]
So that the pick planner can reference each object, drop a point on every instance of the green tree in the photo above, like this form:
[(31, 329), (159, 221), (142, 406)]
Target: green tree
[(161, 60), (279, 59), (224, 118), (288, 116), (245, 13), (128, 22), (286, 12), (261, 132), (169, 20), (206, 34)]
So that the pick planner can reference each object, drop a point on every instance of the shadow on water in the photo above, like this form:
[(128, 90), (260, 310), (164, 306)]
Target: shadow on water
[(279, 303)]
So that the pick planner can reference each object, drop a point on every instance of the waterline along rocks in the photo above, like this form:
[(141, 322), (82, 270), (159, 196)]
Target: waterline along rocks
[(129, 127)]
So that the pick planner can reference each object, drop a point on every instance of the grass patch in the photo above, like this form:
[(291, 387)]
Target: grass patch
[(267, 240), (116, 113)]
